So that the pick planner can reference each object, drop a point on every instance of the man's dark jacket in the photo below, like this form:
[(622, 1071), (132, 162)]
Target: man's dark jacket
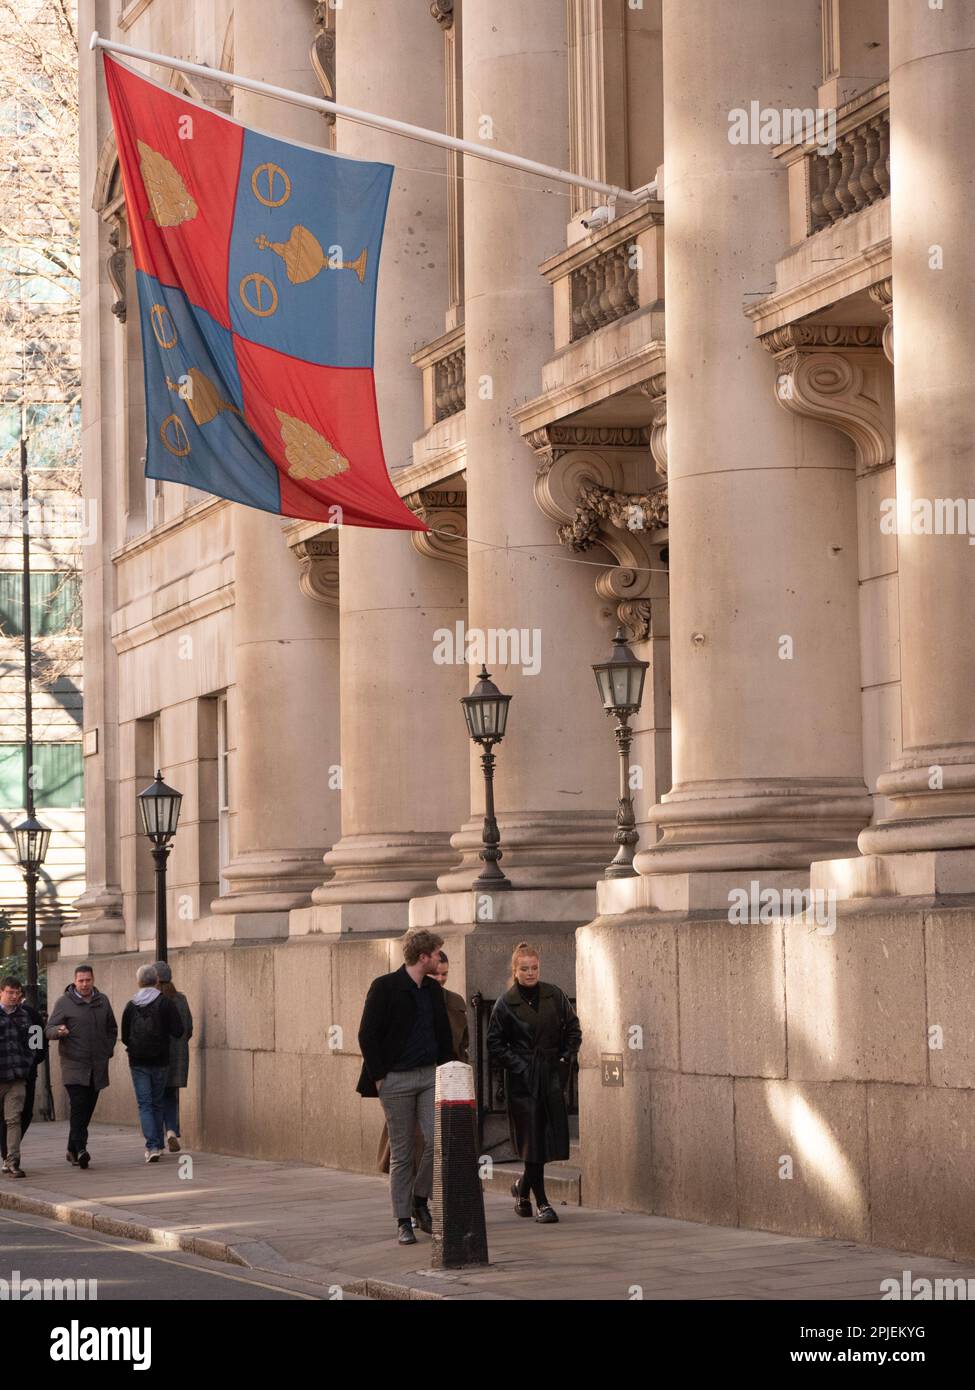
[(387, 1022)]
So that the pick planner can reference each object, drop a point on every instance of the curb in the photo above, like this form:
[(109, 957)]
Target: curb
[(113, 1221), (244, 1253)]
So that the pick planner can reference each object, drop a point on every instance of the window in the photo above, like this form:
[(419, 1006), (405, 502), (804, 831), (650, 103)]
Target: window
[(53, 433), (58, 775), (55, 603)]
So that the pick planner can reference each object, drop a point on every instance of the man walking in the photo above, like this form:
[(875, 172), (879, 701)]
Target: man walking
[(15, 1065), (38, 1046), (84, 1026), (404, 1035), (149, 1020)]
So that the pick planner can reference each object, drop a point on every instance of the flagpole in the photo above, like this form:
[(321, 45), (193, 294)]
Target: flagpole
[(413, 132)]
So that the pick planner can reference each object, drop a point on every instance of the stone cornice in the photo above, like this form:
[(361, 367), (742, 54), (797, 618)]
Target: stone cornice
[(600, 382), (200, 511), (819, 292), (559, 439), (181, 615)]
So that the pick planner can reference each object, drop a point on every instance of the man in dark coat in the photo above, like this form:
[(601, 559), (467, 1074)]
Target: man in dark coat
[(534, 1035), (15, 1066), (84, 1026), (403, 1036)]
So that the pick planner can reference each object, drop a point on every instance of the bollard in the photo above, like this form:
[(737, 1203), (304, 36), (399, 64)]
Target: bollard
[(459, 1232)]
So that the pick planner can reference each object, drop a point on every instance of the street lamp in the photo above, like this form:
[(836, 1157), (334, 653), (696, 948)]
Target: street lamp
[(159, 807), (486, 712), (32, 841), (620, 681)]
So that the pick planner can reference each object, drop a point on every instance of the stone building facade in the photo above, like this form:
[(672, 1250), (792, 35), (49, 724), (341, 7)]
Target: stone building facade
[(694, 418)]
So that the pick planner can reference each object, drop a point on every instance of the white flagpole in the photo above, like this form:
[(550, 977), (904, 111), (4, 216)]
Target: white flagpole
[(609, 191)]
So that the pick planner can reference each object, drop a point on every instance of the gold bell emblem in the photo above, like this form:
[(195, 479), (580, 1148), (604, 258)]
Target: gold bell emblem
[(304, 257)]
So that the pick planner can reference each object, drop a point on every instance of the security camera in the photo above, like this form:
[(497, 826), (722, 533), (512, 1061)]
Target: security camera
[(597, 217)]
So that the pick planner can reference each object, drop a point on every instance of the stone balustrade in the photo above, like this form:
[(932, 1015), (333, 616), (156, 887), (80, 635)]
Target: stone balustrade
[(449, 384), (605, 275), (603, 290), (856, 174), (444, 366), (827, 187)]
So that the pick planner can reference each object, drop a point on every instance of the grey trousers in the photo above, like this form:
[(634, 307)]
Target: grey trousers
[(407, 1098), (12, 1096)]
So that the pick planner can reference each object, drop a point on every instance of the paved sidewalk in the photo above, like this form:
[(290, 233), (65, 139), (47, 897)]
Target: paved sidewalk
[(334, 1228)]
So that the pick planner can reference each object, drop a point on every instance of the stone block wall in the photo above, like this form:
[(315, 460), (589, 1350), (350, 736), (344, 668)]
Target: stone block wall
[(770, 1049)]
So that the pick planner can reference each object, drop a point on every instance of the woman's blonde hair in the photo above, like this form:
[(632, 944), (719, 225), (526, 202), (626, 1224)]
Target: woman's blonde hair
[(524, 948)]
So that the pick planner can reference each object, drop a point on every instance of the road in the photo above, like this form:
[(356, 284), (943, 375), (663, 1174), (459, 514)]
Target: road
[(40, 1249)]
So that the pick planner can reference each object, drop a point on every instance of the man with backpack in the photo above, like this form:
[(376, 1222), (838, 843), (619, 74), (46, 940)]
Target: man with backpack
[(148, 1023)]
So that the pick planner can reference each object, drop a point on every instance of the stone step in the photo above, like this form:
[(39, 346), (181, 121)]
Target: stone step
[(563, 1181)]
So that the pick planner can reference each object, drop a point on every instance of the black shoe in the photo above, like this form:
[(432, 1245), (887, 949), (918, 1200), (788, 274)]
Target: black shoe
[(546, 1215), (406, 1236), (13, 1170), (423, 1218), (83, 1159), (72, 1158), (523, 1206)]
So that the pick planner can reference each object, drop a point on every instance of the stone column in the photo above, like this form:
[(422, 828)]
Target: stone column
[(764, 628), (285, 644), (932, 786), (555, 787), (100, 926), (404, 747)]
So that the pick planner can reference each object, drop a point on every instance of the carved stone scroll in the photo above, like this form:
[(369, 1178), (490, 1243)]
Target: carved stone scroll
[(445, 512), (318, 562)]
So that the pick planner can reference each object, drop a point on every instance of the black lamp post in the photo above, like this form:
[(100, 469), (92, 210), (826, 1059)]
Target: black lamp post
[(486, 712), (620, 681), (32, 842), (159, 807)]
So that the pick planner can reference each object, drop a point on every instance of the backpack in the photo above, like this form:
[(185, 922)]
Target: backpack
[(147, 1036)]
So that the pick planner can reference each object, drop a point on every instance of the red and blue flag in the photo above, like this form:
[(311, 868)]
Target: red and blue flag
[(256, 261)]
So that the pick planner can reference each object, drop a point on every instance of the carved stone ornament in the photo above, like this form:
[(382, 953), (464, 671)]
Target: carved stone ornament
[(883, 294), (656, 390), (837, 373), (443, 12), (318, 562), (583, 490), (322, 55), (445, 512), (629, 511), (116, 271)]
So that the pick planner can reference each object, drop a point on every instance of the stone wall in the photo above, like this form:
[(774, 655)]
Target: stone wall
[(767, 1042)]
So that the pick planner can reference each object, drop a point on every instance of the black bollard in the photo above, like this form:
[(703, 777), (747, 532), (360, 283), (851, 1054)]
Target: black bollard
[(459, 1232)]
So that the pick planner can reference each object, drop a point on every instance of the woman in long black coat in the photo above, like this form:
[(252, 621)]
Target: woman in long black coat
[(534, 1034)]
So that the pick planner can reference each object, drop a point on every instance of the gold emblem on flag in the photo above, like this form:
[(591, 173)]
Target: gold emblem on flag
[(201, 396), (309, 454), (304, 257), (163, 327), (170, 202), (260, 283), (173, 434), (270, 198)]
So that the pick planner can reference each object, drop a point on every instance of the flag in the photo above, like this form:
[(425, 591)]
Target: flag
[(256, 261)]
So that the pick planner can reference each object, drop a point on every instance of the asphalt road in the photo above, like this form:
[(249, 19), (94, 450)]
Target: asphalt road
[(41, 1249)]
